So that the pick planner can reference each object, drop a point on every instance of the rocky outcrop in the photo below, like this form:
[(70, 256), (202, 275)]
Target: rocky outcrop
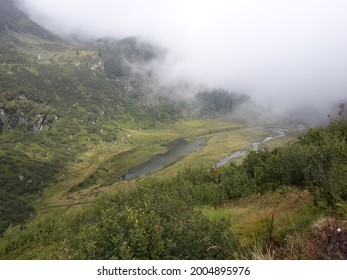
[(12, 118)]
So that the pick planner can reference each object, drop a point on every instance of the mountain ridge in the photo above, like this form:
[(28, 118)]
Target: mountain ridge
[(13, 19)]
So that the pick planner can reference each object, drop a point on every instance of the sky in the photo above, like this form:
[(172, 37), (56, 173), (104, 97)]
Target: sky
[(285, 54)]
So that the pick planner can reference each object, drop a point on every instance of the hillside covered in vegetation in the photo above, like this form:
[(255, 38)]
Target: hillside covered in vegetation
[(288, 202), (76, 116)]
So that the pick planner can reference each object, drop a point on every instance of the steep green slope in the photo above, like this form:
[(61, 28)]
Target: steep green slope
[(58, 97)]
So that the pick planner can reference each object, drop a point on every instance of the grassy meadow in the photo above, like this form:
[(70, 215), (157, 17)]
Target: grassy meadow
[(107, 162)]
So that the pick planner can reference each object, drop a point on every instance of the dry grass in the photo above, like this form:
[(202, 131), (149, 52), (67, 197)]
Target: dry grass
[(265, 225), (258, 253)]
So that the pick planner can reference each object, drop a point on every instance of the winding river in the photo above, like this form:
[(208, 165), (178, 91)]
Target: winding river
[(180, 148), (255, 146)]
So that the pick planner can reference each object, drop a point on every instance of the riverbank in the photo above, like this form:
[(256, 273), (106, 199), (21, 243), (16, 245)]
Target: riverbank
[(255, 146)]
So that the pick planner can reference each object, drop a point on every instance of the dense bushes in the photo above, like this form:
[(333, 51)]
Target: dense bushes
[(318, 161), (158, 220), (12, 210), (141, 225)]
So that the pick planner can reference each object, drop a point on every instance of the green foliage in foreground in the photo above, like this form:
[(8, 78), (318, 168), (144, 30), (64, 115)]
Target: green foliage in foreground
[(12, 210), (142, 225), (158, 220)]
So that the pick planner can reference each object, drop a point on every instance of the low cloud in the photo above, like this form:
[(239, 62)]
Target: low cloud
[(287, 55)]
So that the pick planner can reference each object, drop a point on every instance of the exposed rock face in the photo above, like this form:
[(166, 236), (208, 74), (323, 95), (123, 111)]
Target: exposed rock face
[(39, 124), (2, 117), (11, 118), (21, 97)]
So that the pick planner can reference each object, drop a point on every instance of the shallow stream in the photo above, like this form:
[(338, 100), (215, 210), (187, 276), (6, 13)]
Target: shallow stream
[(255, 146)]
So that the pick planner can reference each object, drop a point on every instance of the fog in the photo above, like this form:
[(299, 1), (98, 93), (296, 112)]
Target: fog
[(288, 55)]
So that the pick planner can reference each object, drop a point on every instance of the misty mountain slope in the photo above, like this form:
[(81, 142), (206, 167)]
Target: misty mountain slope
[(13, 19), (57, 98), (219, 102)]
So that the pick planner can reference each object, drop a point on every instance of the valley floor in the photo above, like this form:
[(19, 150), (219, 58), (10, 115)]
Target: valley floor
[(99, 170), (278, 223)]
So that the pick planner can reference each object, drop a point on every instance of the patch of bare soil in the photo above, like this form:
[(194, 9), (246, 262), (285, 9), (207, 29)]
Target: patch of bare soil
[(328, 240)]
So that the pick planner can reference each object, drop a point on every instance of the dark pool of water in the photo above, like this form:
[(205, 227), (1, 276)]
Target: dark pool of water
[(178, 149)]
